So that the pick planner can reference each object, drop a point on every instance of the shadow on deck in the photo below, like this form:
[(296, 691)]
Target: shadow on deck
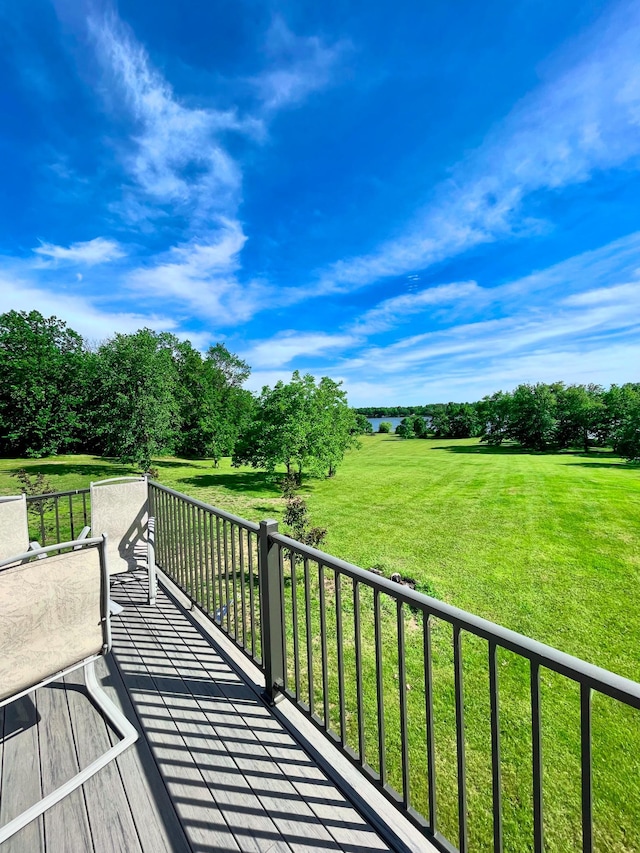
[(214, 770)]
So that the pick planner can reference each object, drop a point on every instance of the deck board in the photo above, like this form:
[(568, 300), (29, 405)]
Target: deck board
[(214, 770)]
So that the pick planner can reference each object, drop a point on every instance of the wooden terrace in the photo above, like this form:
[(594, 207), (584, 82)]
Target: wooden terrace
[(215, 768)]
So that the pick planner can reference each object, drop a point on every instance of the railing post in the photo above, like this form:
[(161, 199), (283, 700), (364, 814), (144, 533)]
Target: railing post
[(271, 615)]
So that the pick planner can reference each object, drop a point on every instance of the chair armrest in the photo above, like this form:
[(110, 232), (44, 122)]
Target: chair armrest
[(83, 535), (35, 546)]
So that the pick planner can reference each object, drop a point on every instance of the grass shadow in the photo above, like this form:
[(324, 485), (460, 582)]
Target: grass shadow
[(490, 450), (90, 470), (625, 466), (245, 481)]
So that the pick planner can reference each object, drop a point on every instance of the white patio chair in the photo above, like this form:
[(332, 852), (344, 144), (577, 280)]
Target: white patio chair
[(120, 508), (54, 619), (14, 527)]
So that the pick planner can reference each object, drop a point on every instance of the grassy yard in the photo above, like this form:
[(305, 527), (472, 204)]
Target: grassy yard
[(546, 544)]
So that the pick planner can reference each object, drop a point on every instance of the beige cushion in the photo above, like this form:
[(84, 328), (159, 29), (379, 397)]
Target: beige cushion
[(121, 511), (50, 617), (14, 530)]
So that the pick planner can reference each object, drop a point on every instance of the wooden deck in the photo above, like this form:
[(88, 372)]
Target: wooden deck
[(213, 770)]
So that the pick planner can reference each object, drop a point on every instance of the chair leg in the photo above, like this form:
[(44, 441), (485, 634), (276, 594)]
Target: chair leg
[(122, 726)]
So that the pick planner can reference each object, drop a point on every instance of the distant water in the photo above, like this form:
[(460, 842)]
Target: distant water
[(375, 422)]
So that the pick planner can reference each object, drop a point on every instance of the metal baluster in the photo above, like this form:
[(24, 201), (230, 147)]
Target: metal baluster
[(73, 535), (42, 531), (536, 742), (219, 552), (587, 781), (462, 775), (428, 707), (382, 749), (323, 646), (206, 560), (226, 572), (495, 748), (251, 594), (55, 506), (294, 614), (340, 650), (402, 685), (307, 614), (234, 570), (357, 637), (241, 533), (212, 567), (285, 659), (202, 588)]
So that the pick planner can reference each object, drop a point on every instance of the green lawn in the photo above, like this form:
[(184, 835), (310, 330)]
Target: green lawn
[(546, 544)]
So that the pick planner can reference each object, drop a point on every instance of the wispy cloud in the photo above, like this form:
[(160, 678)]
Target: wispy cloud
[(199, 277), (86, 316), (286, 346), (390, 312), (298, 66), (576, 320), (177, 156), (89, 253), (584, 118)]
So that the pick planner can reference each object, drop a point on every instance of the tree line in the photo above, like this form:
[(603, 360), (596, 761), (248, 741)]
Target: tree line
[(541, 417), (139, 395)]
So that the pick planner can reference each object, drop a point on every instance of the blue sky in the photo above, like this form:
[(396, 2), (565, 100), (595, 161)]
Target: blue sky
[(429, 201)]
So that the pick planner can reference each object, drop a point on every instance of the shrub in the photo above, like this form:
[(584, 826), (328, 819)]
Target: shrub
[(385, 426), (296, 517)]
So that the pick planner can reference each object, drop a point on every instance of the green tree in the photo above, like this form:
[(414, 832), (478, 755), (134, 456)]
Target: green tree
[(43, 384), (440, 423), (420, 428), (384, 426), (533, 416), (494, 416), (580, 411), (623, 410), (363, 424), (138, 401), (405, 428), (306, 428), (214, 408)]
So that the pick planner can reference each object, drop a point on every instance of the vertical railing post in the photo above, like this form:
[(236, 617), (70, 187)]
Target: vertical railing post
[(271, 614)]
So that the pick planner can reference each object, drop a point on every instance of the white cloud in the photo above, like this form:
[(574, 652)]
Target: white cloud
[(177, 156), (299, 65), (80, 313), (390, 312), (288, 345), (199, 277), (97, 251), (584, 118)]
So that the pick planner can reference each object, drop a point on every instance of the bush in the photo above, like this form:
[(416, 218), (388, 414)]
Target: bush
[(385, 426), (296, 517)]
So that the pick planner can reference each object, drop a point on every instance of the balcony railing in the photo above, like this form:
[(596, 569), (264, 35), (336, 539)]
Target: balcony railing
[(388, 674)]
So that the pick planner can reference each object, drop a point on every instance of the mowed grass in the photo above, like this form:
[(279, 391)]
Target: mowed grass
[(545, 544)]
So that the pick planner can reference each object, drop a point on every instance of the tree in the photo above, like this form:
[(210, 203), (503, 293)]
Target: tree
[(405, 428), (494, 416), (533, 416), (363, 424), (384, 426), (43, 384), (138, 408), (623, 404), (214, 407), (420, 428), (299, 425), (440, 424), (580, 411)]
